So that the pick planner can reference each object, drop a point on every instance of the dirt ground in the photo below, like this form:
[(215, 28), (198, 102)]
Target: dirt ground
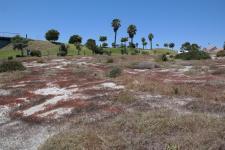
[(178, 104)]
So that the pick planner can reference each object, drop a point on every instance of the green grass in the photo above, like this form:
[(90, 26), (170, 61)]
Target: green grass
[(49, 49)]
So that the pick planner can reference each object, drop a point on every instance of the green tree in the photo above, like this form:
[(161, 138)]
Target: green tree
[(19, 43), (187, 46), (91, 44), (151, 37), (171, 45), (52, 35), (124, 41), (132, 30), (166, 45), (116, 24), (76, 40), (224, 46), (103, 39), (157, 45)]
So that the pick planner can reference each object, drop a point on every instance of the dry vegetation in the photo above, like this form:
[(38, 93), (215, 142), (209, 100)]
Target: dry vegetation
[(174, 105)]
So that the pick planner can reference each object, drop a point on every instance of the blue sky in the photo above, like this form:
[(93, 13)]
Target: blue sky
[(199, 21)]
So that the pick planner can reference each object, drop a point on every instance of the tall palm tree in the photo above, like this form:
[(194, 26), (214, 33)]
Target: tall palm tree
[(131, 30), (151, 37), (116, 24), (143, 40)]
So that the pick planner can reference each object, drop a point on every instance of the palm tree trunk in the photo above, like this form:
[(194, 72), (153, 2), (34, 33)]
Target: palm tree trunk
[(115, 39), (151, 45)]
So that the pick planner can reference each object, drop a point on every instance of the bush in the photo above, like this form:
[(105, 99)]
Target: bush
[(163, 57), (220, 53), (110, 60), (144, 65), (193, 55), (11, 66), (115, 72), (10, 58), (63, 50), (35, 53), (145, 53)]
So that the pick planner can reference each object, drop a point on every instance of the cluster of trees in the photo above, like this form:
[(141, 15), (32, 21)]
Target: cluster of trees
[(169, 45), (53, 35)]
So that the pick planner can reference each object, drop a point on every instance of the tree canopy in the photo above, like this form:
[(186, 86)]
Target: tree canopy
[(52, 35)]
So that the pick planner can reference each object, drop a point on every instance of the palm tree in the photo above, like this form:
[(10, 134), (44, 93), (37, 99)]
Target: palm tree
[(131, 30), (151, 37), (116, 25), (143, 40)]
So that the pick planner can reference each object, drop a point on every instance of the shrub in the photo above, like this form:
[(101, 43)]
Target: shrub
[(193, 55), (163, 57), (10, 58), (115, 72), (11, 66), (144, 65), (145, 53), (63, 50), (35, 53), (110, 60), (220, 53)]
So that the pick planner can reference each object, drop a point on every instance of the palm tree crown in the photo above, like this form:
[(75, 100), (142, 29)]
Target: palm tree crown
[(131, 30)]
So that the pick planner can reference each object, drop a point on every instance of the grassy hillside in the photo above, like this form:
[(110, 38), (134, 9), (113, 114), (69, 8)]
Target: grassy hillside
[(48, 48)]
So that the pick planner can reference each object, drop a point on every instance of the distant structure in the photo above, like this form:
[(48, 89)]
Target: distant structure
[(212, 49)]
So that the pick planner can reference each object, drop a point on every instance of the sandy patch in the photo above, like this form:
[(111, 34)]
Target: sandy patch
[(4, 92)]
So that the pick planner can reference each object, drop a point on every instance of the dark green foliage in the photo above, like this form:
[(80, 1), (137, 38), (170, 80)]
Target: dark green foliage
[(171, 45), (35, 53), (144, 43), (132, 30), (220, 53), (115, 72), (224, 46), (194, 52), (63, 50), (151, 37), (8, 66), (187, 46), (52, 35), (10, 58), (91, 44), (166, 45), (103, 38), (105, 45), (163, 57), (193, 55), (75, 39), (19, 43)]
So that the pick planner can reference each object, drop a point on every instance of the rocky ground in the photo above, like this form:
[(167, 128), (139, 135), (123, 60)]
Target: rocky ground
[(58, 95)]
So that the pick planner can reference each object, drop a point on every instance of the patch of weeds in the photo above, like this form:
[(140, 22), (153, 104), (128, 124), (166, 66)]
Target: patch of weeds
[(125, 97), (143, 65), (8, 66), (35, 53), (110, 60), (220, 53), (115, 72)]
